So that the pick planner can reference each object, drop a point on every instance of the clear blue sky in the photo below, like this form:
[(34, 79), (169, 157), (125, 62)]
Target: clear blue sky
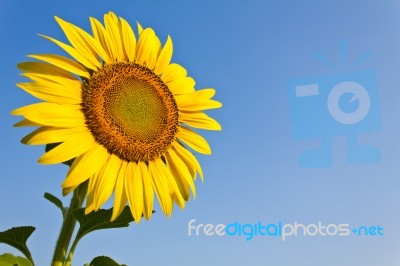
[(249, 51)]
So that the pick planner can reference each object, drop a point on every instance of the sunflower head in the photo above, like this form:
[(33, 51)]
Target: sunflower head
[(123, 112)]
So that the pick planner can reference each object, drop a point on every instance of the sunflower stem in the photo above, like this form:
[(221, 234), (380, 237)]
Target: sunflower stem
[(68, 226), (71, 252)]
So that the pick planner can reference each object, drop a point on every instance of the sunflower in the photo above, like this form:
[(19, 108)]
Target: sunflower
[(123, 112)]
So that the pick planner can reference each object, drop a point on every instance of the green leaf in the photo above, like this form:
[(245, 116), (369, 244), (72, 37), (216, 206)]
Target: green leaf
[(57, 202), (100, 220), (11, 260), (17, 237), (104, 261)]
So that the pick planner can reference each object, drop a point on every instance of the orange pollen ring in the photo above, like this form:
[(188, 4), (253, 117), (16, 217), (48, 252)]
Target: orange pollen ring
[(130, 111)]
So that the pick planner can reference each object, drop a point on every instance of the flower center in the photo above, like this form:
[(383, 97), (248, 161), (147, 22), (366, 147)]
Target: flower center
[(130, 111)]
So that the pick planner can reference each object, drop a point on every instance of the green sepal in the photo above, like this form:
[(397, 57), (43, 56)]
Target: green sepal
[(17, 237), (57, 202)]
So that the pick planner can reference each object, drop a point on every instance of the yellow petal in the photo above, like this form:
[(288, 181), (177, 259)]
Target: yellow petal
[(128, 40), (48, 80), (147, 48), (188, 158), (64, 63), (86, 165), (26, 123), (66, 191), (73, 52), (205, 93), (183, 186), (148, 193), (120, 198), (93, 44), (193, 140), (55, 93), (51, 114), (166, 173), (114, 38), (101, 35), (165, 57), (189, 165), (190, 103), (46, 135), (140, 28), (173, 72), (161, 188), (183, 85), (134, 190), (180, 170), (69, 149), (90, 203), (106, 180), (48, 69), (79, 43), (199, 120)]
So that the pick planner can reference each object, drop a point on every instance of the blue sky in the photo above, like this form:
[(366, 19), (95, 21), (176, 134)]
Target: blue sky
[(250, 51)]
